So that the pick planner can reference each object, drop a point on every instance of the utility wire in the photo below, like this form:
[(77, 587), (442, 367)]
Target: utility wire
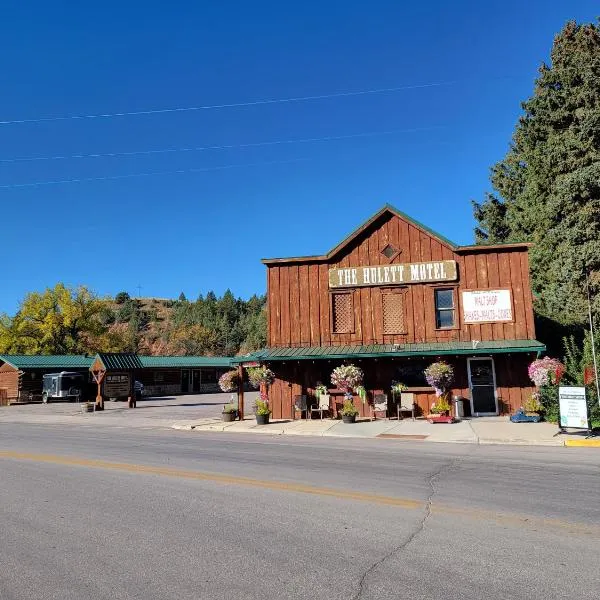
[(221, 147), (151, 173), (229, 105)]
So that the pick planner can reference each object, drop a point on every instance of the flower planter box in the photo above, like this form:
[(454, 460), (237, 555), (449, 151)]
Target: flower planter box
[(262, 419), (349, 418), (229, 416), (440, 419)]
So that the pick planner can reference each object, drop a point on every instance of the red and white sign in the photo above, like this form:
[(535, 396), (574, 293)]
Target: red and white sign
[(487, 306)]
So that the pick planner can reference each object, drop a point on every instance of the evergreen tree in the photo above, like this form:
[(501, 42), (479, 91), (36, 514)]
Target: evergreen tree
[(548, 185)]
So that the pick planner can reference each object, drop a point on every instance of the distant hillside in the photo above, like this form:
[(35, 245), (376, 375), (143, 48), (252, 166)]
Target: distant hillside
[(63, 320)]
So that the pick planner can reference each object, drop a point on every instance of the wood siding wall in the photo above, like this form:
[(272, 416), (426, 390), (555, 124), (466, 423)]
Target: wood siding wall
[(301, 377), (9, 380), (299, 311)]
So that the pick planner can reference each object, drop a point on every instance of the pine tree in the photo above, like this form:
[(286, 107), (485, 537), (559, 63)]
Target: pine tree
[(548, 185)]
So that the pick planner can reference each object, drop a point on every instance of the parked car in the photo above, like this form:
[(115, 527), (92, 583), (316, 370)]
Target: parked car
[(65, 385)]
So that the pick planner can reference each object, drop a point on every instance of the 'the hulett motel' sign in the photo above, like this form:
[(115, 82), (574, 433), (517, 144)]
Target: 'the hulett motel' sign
[(424, 272)]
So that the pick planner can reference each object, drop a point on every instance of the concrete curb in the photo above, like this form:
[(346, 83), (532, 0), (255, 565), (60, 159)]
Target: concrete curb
[(583, 443)]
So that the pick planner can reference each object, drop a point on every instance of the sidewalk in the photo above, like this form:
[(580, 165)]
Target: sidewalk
[(484, 430)]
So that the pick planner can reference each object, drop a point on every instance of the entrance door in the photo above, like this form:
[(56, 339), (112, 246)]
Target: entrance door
[(195, 381), (482, 382), (185, 381)]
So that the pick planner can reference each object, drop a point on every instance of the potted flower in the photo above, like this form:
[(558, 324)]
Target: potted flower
[(361, 392), (397, 388), (349, 412), (320, 390), (262, 410), (230, 412), (440, 376), (228, 382)]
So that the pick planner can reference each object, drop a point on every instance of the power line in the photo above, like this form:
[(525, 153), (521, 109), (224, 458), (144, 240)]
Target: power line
[(228, 105), (150, 173), (220, 147)]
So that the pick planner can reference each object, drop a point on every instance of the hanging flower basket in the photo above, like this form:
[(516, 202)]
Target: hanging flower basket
[(440, 376), (228, 382), (546, 371), (347, 378), (260, 376)]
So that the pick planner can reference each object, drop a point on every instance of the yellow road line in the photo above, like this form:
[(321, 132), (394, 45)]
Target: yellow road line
[(407, 503)]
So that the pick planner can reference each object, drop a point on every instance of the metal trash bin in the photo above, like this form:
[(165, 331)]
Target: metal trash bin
[(459, 407)]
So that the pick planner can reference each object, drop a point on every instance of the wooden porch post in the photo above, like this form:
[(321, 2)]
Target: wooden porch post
[(241, 392)]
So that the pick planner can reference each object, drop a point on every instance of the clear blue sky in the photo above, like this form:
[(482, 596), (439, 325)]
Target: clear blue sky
[(197, 231)]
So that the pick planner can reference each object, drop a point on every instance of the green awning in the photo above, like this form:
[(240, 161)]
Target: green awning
[(392, 350)]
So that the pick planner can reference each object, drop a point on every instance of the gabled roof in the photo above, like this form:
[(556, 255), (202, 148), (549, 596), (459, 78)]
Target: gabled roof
[(388, 208), (393, 350), (57, 361), (119, 361)]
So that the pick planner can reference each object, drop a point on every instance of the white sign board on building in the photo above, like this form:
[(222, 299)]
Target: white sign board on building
[(573, 407), (486, 306)]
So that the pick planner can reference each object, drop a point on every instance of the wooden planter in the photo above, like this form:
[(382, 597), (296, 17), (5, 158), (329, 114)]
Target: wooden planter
[(441, 418)]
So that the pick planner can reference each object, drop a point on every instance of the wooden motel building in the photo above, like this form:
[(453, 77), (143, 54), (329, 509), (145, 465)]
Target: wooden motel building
[(392, 298)]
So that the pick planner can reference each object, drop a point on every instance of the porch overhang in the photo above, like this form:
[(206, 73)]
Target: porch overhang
[(473, 348)]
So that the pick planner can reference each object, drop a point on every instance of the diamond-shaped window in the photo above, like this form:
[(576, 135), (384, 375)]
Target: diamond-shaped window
[(390, 252)]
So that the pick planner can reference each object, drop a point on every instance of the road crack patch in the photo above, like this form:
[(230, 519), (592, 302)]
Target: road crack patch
[(431, 482)]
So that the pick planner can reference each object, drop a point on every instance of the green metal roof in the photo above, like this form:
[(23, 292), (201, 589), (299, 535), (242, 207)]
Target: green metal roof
[(59, 361), (392, 350), (113, 361), (185, 361)]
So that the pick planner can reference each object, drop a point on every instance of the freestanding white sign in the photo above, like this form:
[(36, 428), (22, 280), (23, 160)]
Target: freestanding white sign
[(573, 407), (486, 306)]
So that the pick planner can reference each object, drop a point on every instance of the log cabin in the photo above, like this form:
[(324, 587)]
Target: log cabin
[(392, 298)]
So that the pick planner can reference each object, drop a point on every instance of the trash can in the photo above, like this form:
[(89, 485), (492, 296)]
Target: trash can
[(459, 409)]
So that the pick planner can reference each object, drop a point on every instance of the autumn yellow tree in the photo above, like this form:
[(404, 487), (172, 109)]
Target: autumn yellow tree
[(59, 320)]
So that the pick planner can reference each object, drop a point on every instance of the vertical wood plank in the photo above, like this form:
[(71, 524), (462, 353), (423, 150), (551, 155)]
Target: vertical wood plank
[(304, 301), (482, 283), (284, 294), (470, 278), (417, 290), (494, 283), (376, 305), (314, 305), (427, 306), (366, 318), (294, 276), (527, 295), (518, 298), (324, 308), (505, 282), (274, 308)]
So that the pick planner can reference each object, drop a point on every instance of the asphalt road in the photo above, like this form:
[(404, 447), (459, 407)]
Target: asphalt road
[(105, 513)]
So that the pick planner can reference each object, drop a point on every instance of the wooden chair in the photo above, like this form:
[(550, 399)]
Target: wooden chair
[(322, 406), (380, 404), (406, 403)]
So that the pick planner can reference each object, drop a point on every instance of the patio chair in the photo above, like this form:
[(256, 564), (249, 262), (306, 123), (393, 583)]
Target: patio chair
[(406, 404), (380, 404), (300, 404), (322, 406)]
